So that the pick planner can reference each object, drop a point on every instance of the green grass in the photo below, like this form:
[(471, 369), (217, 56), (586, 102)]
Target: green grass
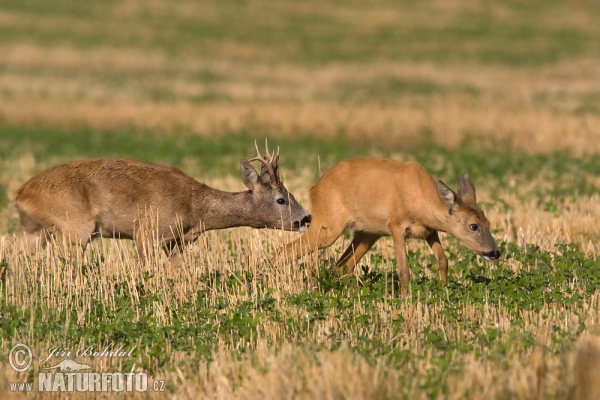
[(387, 89), (315, 32), (545, 279), (565, 175), (231, 305), (217, 155)]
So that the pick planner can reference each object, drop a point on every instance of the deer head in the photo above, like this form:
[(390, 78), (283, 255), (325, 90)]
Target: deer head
[(466, 221), (274, 206)]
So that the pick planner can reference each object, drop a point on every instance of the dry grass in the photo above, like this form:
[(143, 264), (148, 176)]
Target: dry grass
[(530, 130), (281, 364)]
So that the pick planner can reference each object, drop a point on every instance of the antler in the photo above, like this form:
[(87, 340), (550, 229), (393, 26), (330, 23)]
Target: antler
[(269, 162), (273, 160)]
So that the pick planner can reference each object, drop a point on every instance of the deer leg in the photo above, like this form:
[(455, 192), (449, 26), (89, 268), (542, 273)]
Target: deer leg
[(77, 235), (32, 233), (317, 237), (433, 240), (361, 243), (401, 259), (143, 243), (173, 251), (73, 238), (300, 247), (34, 240)]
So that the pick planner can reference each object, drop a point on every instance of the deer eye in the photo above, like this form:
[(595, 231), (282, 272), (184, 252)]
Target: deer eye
[(280, 201), (473, 227)]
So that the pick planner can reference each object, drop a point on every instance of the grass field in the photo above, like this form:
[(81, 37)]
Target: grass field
[(508, 92)]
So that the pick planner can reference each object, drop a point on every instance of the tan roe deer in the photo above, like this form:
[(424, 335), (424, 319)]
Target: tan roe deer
[(377, 197), (112, 198)]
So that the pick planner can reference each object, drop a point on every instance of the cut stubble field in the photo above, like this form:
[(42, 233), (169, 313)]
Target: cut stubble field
[(230, 323), (508, 93)]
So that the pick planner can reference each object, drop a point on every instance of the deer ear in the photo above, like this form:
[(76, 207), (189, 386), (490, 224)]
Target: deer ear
[(249, 174), (466, 190), (446, 195)]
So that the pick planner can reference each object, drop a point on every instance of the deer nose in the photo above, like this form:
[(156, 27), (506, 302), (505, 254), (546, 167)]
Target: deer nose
[(492, 255), (304, 222)]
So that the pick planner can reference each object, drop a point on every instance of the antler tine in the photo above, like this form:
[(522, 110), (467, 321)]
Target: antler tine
[(276, 158), (267, 148), (257, 150), (259, 157), (266, 162)]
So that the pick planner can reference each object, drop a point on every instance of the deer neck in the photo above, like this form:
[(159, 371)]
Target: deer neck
[(217, 209), (438, 217), (435, 215)]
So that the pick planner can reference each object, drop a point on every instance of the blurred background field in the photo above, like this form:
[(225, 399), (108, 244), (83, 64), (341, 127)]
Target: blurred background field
[(510, 75), (506, 91)]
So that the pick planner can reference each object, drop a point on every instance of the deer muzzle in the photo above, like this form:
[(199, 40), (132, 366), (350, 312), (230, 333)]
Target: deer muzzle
[(491, 255), (302, 224)]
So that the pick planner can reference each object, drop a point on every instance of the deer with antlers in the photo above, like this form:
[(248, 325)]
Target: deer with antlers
[(111, 198)]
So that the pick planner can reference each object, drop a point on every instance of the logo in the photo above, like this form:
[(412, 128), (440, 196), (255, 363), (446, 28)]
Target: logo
[(69, 365), (20, 357), (68, 375)]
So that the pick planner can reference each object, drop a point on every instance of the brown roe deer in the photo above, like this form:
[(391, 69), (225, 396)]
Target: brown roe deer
[(376, 197), (112, 198)]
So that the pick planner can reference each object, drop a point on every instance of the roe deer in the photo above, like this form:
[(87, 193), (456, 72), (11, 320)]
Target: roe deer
[(111, 198), (376, 197)]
